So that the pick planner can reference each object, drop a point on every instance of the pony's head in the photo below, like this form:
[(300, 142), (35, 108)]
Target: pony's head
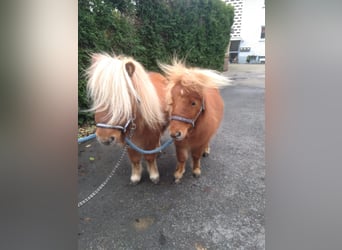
[(120, 90), (186, 95)]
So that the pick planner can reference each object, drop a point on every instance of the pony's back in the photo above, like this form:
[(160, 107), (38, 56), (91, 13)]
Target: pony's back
[(160, 84)]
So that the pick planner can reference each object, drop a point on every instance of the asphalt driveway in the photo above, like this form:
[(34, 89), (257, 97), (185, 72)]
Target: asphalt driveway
[(223, 209)]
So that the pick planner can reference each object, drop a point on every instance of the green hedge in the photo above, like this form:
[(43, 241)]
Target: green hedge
[(151, 30)]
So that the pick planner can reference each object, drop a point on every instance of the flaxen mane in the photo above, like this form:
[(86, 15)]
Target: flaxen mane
[(192, 79), (114, 91)]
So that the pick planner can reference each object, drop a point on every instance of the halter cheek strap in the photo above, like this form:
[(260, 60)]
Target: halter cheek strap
[(187, 120), (122, 128), (183, 119)]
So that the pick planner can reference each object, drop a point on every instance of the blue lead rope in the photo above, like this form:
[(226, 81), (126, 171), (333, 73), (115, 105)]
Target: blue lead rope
[(153, 151), (132, 145), (87, 138)]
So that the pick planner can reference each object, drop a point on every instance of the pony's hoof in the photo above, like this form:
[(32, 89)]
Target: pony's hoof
[(155, 180), (205, 154), (134, 180), (196, 173), (176, 180), (206, 151), (154, 177), (177, 176)]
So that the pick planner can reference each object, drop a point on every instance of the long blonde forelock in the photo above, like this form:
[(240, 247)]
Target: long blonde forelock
[(192, 79), (112, 90), (148, 100)]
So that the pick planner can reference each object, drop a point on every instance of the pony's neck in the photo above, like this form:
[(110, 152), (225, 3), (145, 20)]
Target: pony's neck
[(138, 119)]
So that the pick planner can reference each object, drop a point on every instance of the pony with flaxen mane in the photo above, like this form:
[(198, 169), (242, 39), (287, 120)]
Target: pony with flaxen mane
[(196, 111), (128, 102)]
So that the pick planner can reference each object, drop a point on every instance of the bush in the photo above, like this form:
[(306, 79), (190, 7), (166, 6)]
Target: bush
[(101, 28), (197, 30)]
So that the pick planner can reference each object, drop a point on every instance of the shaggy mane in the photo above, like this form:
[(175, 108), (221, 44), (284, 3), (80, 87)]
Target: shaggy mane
[(112, 90), (192, 79)]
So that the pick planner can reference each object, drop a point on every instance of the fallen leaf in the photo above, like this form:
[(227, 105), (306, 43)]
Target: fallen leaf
[(86, 219), (199, 247), (143, 223)]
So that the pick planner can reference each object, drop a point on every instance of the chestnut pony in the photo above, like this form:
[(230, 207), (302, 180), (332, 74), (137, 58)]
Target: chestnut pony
[(128, 102), (196, 111)]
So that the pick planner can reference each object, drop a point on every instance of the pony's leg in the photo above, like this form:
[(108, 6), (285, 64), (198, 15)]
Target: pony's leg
[(206, 151), (182, 156), (135, 158), (152, 167), (196, 160)]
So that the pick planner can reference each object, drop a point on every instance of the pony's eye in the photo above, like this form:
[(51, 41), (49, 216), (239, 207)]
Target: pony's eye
[(193, 103)]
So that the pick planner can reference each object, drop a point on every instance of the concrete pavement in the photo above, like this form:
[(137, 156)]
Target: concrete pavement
[(247, 74), (223, 209)]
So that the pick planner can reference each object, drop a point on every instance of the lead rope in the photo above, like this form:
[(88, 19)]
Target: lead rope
[(84, 201)]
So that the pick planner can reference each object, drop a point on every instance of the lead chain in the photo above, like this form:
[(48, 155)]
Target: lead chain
[(81, 203)]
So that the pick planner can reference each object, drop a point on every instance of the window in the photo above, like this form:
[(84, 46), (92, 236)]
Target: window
[(262, 36)]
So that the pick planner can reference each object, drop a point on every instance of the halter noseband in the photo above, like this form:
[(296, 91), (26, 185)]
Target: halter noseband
[(187, 120), (122, 128)]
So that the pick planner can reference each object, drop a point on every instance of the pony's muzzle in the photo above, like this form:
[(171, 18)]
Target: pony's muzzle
[(177, 135), (109, 141)]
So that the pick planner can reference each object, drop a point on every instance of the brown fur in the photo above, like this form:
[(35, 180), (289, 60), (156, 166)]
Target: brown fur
[(186, 91), (145, 136)]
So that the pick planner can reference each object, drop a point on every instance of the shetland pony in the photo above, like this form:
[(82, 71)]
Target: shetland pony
[(196, 111), (128, 102)]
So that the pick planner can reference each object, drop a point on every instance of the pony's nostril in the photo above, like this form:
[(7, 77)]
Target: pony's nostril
[(105, 142), (108, 141), (176, 135)]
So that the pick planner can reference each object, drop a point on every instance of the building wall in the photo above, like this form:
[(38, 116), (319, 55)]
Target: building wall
[(247, 26), (238, 11)]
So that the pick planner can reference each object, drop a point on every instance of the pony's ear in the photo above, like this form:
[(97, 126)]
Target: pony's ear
[(130, 68)]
